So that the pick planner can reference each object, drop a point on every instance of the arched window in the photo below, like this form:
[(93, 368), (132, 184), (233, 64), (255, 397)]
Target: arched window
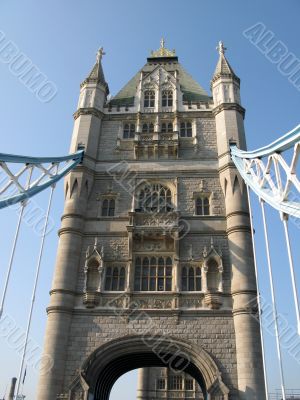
[(149, 98), (128, 131), (108, 207), (115, 279), (155, 198), (153, 274), (186, 129), (202, 206), (167, 98), (213, 276), (191, 279), (148, 128), (166, 127)]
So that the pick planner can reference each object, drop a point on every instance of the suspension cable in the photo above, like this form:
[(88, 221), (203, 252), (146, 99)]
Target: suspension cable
[(258, 296), (284, 219), (275, 315), (12, 255), (35, 288)]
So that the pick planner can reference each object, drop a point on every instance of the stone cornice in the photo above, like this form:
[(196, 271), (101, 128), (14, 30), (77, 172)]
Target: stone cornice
[(232, 214), (231, 76), (245, 291), (245, 310), (63, 291), (180, 114), (238, 228), (229, 106), (227, 166), (125, 313), (88, 111), (72, 215), (59, 309), (62, 231)]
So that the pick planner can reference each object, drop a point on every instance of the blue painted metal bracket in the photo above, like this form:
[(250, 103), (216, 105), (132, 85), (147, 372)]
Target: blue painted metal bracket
[(271, 189), (68, 162)]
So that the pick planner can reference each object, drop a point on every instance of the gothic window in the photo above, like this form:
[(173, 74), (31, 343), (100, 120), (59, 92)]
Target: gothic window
[(149, 98), (153, 274), (202, 206), (148, 128), (108, 207), (175, 382), (213, 276), (166, 127), (161, 384), (115, 278), (167, 98), (186, 129), (155, 198), (191, 279), (189, 384), (128, 131)]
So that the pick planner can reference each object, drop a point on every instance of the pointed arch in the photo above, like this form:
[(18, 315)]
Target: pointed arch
[(74, 190)]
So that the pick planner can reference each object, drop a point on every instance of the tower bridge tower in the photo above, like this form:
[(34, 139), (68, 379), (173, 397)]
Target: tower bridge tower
[(154, 266)]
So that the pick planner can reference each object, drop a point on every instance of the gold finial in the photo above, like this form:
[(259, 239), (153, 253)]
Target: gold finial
[(100, 54), (221, 48), (162, 51)]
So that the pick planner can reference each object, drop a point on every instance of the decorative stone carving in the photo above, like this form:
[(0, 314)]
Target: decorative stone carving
[(213, 300), (93, 271), (195, 302), (155, 303), (116, 302), (76, 390)]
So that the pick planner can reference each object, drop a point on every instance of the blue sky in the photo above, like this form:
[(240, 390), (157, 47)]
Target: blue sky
[(61, 38)]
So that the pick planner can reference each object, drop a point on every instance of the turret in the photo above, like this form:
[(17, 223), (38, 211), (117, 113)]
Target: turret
[(229, 113), (78, 186), (92, 98), (229, 116)]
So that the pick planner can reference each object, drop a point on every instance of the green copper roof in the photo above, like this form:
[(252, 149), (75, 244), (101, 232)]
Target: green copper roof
[(192, 91)]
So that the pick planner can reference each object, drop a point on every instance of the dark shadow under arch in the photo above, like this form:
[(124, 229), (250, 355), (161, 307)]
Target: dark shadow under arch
[(124, 364), (114, 358)]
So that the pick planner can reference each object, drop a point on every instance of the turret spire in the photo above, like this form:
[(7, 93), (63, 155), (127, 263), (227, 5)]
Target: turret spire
[(223, 67), (97, 75)]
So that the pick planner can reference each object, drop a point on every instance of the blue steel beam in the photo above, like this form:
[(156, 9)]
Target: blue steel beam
[(69, 162), (265, 186)]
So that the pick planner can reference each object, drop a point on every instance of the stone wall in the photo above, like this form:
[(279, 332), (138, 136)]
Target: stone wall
[(215, 333)]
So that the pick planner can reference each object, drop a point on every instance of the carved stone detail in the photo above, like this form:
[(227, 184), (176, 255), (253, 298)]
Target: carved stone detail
[(155, 303)]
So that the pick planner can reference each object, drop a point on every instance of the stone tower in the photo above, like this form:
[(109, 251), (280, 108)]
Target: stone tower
[(154, 267)]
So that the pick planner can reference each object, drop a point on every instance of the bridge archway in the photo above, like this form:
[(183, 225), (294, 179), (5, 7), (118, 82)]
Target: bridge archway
[(113, 359)]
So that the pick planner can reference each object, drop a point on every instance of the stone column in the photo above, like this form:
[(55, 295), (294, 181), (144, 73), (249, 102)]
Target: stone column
[(229, 118), (143, 381), (62, 299)]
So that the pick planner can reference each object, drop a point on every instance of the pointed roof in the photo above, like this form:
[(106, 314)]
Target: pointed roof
[(192, 91), (223, 67), (97, 75)]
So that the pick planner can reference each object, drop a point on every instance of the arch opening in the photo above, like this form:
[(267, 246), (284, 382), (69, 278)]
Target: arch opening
[(124, 364), (117, 357)]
